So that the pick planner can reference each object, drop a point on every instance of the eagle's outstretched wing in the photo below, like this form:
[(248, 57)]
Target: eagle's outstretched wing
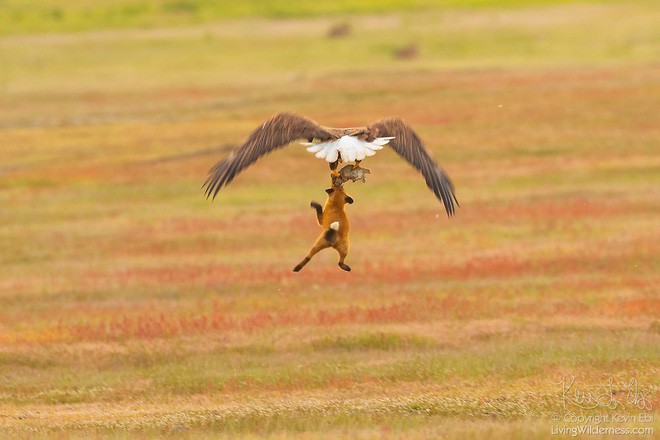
[(408, 145), (276, 132)]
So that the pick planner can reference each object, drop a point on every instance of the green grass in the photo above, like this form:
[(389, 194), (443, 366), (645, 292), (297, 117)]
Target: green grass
[(21, 17), (134, 308), (368, 341)]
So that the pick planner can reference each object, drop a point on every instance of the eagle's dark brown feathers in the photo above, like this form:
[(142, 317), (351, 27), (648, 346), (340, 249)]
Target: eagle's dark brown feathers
[(285, 128), (277, 132), (408, 145)]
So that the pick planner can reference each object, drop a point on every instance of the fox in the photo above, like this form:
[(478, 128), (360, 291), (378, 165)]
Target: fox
[(332, 217)]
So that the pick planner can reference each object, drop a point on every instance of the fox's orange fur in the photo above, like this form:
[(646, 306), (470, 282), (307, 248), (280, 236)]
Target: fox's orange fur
[(333, 212)]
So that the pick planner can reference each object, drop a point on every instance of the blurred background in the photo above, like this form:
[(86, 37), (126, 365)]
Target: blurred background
[(131, 304)]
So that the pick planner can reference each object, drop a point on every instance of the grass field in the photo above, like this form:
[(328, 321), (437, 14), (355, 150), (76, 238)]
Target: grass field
[(133, 307)]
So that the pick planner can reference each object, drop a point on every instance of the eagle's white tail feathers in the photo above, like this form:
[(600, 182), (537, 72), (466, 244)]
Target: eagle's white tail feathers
[(382, 141), (350, 147), (334, 226)]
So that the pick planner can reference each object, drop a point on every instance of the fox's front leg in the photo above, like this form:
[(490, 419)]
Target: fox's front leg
[(319, 212)]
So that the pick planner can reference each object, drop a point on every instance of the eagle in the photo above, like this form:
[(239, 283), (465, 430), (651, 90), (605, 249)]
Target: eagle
[(334, 145)]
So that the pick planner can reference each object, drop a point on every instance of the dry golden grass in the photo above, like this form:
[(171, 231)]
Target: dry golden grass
[(133, 307)]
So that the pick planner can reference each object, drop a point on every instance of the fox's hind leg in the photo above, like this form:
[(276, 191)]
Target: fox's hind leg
[(321, 243), (342, 249)]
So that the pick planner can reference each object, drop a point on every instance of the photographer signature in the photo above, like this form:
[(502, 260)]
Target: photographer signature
[(605, 396)]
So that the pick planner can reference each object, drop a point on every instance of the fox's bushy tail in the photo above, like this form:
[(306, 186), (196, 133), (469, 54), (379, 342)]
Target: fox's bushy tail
[(331, 232)]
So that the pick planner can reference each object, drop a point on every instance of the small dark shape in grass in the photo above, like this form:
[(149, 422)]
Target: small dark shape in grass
[(181, 7), (57, 14), (407, 53), (340, 30)]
